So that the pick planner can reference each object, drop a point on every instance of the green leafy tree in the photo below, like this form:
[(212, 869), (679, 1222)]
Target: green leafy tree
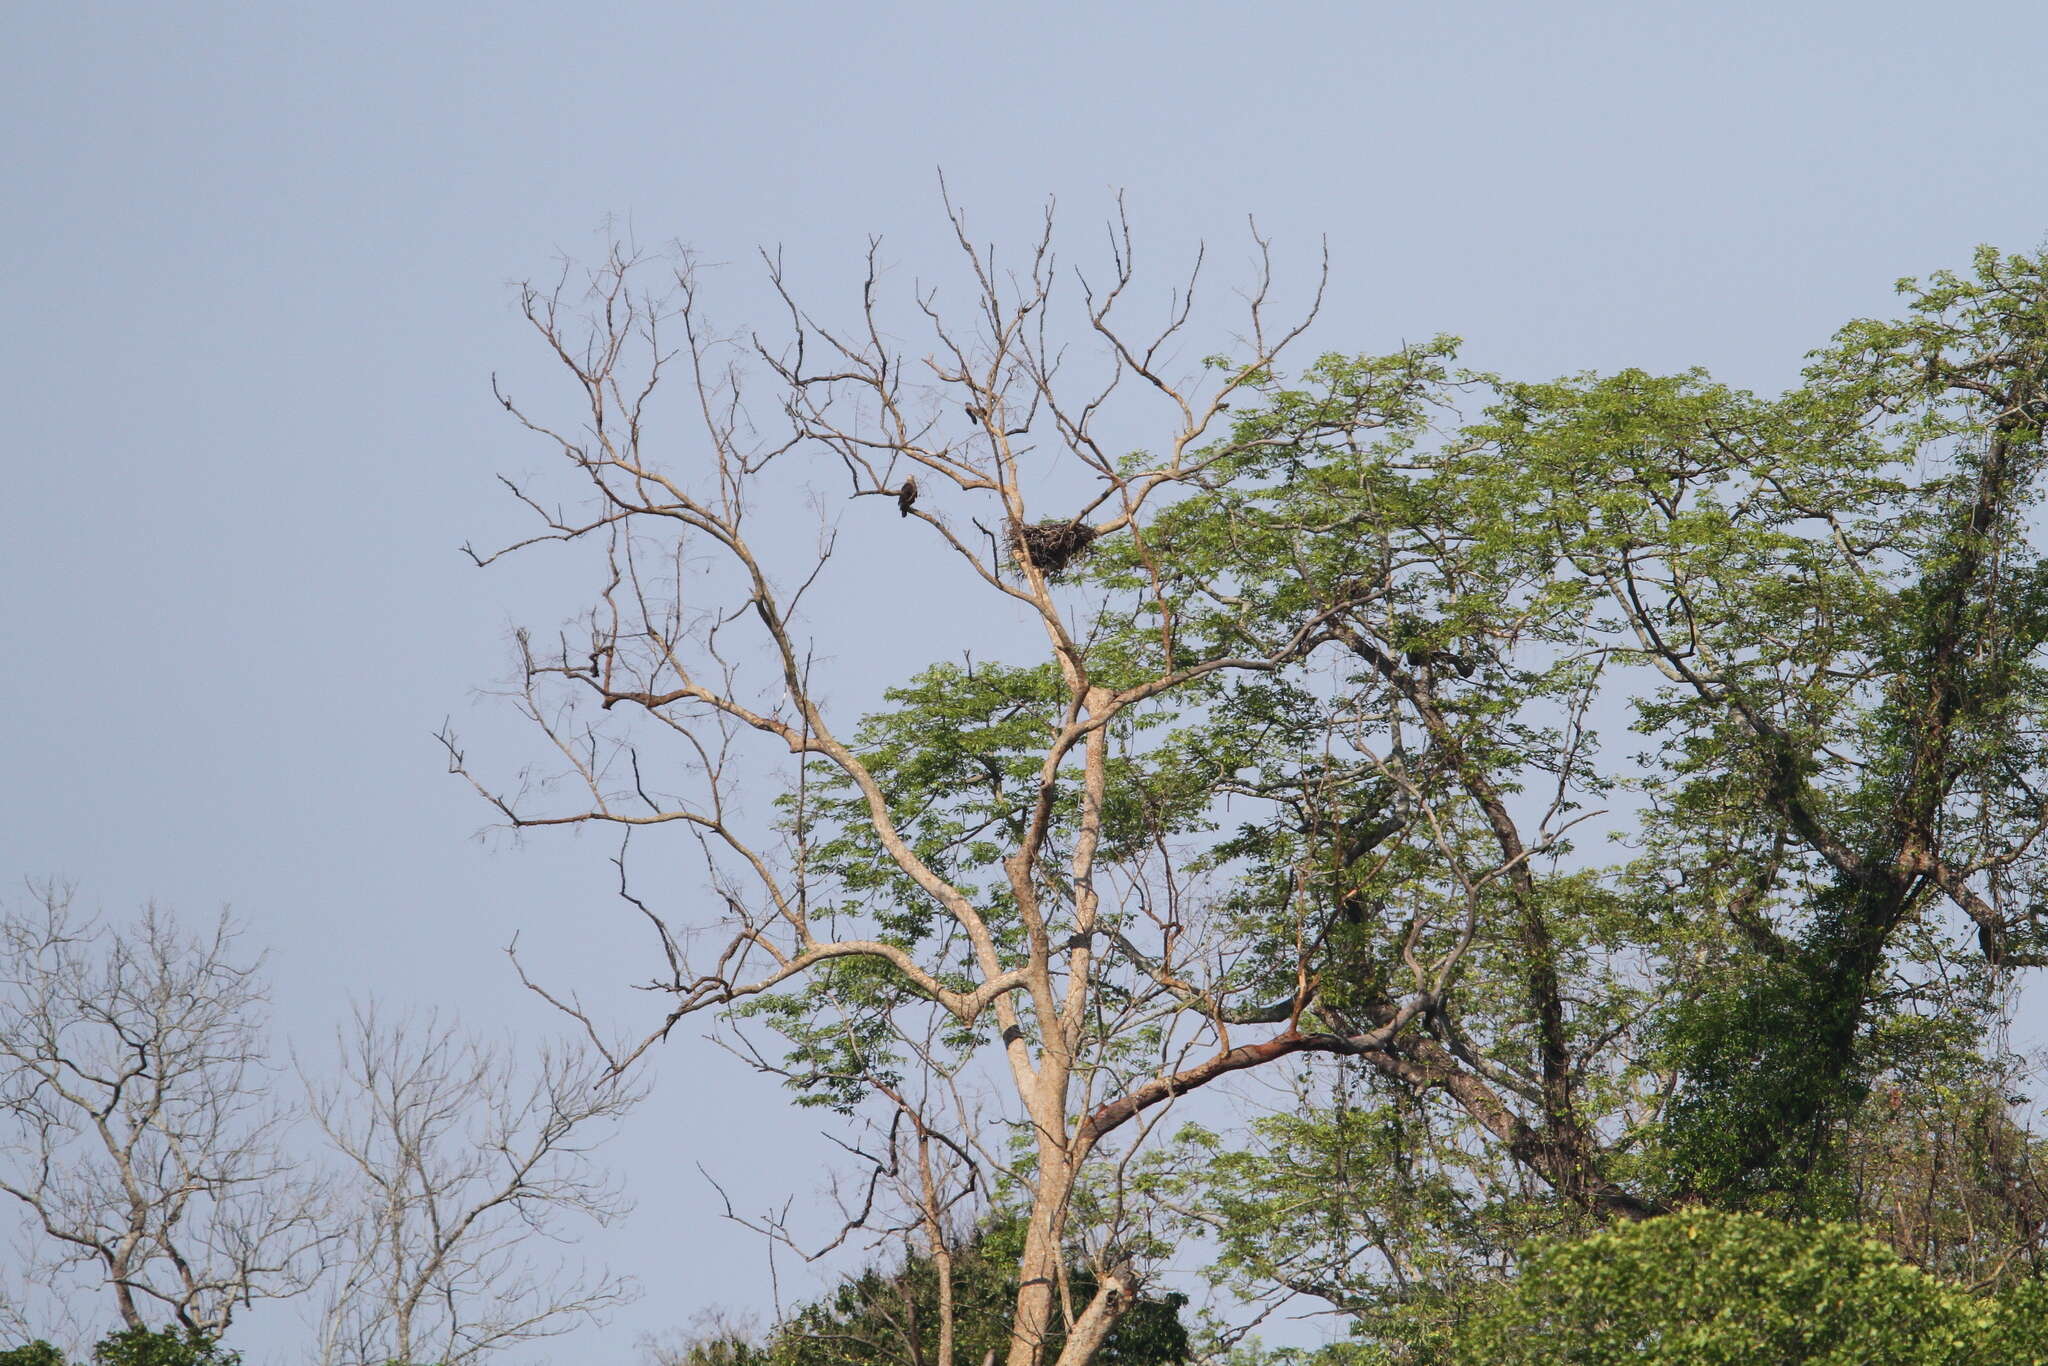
[(1824, 612), (1838, 590)]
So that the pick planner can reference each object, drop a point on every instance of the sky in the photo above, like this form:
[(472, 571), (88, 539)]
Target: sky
[(257, 263)]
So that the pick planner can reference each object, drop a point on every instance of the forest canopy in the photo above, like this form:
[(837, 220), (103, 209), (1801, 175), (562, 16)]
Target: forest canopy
[(1561, 804)]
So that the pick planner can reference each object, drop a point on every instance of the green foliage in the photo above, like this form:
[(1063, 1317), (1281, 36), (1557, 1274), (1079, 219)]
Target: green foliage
[(134, 1347), (1700, 1288), (1297, 1200), (884, 1317), (36, 1353), (168, 1347), (1824, 615), (720, 1349), (1772, 1067)]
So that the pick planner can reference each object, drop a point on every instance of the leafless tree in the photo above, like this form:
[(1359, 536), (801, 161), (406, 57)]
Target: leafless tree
[(919, 1185), (456, 1158), (1076, 956), (136, 1130)]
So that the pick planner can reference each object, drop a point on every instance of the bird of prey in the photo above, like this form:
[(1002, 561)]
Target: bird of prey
[(906, 497)]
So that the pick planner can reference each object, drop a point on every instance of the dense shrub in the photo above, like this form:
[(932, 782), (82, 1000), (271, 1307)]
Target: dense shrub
[(1704, 1289)]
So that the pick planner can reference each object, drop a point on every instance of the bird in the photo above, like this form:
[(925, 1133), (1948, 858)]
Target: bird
[(1449, 659), (906, 497), (976, 415)]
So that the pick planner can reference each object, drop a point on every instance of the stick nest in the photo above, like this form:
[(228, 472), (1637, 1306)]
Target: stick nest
[(1052, 546)]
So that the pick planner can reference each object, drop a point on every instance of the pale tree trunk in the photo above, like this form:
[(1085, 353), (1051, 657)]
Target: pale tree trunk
[(1039, 1267), (1115, 1293), (124, 1297), (1046, 1093), (942, 1252)]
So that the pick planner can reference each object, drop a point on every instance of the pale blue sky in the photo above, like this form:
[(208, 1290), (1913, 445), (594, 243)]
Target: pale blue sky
[(255, 263)]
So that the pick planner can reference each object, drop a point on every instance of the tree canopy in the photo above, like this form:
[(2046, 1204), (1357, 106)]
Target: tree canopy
[(1596, 797)]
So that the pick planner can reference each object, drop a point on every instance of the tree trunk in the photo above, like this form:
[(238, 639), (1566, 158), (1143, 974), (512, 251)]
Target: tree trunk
[(1114, 1296), (1038, 1269)]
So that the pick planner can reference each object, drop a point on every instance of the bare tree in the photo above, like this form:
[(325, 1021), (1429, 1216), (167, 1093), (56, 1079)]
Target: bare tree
[(1020, 884), (456, 1158), (919, 1189), (135, 1126)]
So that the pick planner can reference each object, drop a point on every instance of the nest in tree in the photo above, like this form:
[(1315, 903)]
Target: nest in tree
[(1052, 546)]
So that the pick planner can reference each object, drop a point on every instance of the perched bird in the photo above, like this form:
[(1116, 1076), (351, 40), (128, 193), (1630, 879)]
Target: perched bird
[(976, 415), (1444, 658), (906, 497)]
